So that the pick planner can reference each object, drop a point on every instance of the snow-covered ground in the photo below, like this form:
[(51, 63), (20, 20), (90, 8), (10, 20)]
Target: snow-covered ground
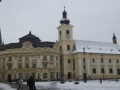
[(5, 87), (54, 85), (90, 85)]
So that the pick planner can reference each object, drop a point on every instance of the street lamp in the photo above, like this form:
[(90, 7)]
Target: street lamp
[(103, 67), (84, 67)]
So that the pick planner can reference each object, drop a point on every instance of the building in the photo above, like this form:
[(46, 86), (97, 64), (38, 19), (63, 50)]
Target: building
[(81, 59), (30, 56), (73, 59)]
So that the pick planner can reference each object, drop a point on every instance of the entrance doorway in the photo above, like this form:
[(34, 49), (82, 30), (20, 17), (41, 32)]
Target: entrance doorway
[(69, 75), (9, 77)]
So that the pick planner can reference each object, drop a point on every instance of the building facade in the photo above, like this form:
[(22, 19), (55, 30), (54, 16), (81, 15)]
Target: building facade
[(73, 59), (30, 56)]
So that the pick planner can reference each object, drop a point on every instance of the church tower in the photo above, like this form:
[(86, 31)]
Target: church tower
[(114, 39), (65, 43), (65, 34)]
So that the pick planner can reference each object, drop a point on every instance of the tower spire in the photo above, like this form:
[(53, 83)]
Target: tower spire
[(0, 37), (114, 38), (64, 19)]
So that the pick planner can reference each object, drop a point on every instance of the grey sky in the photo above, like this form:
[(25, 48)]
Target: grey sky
[(93, 20)]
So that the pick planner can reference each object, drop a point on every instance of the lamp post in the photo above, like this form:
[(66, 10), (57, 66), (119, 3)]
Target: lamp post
[(84, 73), (103, 67)]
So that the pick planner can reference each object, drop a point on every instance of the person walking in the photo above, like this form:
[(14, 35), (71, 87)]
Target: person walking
[(116, 80), (31, 83), (100, 80), (20, 84)]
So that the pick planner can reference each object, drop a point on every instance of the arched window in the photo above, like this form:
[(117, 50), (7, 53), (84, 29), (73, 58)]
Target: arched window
[(67, 32), (118, 71), (60, 32), (102, 70), (68, 47), (94, 70), (60, 48), (110, 70)]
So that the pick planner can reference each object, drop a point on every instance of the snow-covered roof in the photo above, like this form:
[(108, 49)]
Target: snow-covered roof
[(96, 47)]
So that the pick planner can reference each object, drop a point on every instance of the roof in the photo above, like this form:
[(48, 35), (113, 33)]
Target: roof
[(29, 36), (96, 47)]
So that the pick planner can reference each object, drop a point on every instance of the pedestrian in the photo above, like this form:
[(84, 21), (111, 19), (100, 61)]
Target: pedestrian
[(10, 80), (116, 80), (20, 82), (100, 80), (31, 83)]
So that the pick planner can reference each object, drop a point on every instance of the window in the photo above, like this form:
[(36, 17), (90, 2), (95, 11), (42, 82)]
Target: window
[(27, 57), (10, 59), (68, 60), (19, 58), (67, 32), (26, 76), (73, 64), (110, 70), (102, 70), (3, 77), (52, 75), (60, 48), (84, 67), (93, 60), (44, 57), (118, 71), (44, 65), (14, 76), (26, 65), (68, 47), (9, 67), (3, 67), (20, 75), (109, 60), (117, 61), (34, 66), (60, 32), (101, 60), (83, 59), (45, 76), (94, 70), (51, 58), (20, 66), (38, 75), (27, 46), (56, 58), (34, 57)]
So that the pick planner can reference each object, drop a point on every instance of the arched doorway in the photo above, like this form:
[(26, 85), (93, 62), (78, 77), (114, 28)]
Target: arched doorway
[(69, 75), (45, 76), (9, 77)]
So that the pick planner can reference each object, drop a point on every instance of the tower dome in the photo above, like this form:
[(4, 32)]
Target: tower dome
[(64, 20)]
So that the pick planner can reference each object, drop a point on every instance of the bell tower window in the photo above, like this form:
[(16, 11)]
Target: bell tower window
[(67, 32), (60, 33), (68, 47)]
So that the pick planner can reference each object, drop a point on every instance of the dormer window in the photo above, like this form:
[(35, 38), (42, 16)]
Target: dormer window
[(67, 32), (27, 46)]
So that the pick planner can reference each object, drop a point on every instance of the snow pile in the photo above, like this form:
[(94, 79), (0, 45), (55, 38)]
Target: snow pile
[(5, 87)]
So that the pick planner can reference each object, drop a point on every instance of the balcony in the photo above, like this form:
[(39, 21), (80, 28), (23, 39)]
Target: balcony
[(19, 61), (9, 62), (45, 61)]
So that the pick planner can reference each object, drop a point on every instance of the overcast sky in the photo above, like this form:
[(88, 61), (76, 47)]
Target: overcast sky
[(93, 20)]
